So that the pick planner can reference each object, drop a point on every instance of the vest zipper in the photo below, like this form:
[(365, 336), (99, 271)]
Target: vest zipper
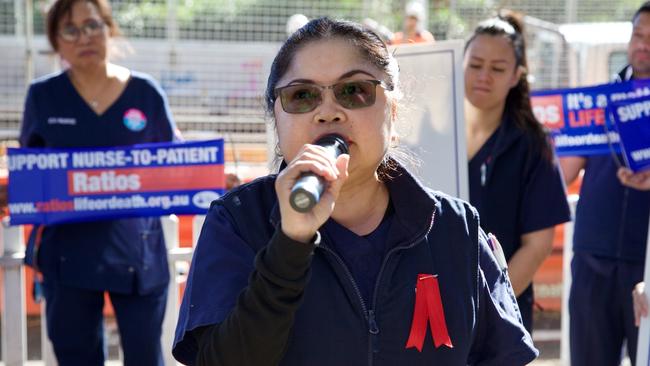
[(369, 315), (374, 330), (348, 274), (373, 327)]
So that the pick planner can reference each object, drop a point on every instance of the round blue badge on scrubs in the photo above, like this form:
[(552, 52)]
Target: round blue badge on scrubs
[(135, 120)]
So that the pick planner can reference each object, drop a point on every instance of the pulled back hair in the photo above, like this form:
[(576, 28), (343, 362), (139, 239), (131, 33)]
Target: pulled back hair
[(517, 108), (61, 9), (368, 43)]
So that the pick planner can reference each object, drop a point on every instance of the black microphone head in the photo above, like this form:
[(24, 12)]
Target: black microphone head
[(336, 141)]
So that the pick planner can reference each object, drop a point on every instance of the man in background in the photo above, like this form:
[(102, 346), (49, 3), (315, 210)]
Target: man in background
[(611, 229)]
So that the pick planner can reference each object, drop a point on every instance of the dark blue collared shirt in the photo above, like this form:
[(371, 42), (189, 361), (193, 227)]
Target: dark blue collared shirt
[(611, 219)]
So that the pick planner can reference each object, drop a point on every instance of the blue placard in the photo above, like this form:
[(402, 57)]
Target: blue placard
[(578, 120), (632, 120), (48, 186)]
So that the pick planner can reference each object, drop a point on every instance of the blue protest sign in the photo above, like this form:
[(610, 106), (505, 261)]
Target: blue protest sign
[(632, 120), (48, 186), (578, 120)]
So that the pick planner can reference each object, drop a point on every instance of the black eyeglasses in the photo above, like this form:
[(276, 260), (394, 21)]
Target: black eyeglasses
[(71, 33), (303, 98)]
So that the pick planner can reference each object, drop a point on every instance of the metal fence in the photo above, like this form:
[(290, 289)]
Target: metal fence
[(13, 294), (212, 56)]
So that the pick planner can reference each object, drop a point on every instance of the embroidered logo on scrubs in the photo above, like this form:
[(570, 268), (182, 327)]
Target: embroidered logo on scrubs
[(62, 121), (135, 120), (428, 307)]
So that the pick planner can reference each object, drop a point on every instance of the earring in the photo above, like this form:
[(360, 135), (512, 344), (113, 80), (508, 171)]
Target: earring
[(394, 140)]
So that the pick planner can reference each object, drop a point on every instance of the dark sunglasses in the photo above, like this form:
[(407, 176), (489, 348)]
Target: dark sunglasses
[(71, 33), (303, 98)]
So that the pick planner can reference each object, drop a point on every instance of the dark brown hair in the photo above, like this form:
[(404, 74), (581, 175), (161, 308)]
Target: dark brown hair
[(518, 109), (63, 8)]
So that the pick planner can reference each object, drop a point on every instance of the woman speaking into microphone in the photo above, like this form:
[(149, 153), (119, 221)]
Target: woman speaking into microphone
[(380, 271)]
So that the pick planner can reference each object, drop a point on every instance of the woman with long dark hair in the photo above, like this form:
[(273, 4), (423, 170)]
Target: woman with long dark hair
[(515, 181)]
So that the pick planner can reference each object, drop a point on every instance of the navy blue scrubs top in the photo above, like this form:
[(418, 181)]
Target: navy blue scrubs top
[(611, 219), (515, 188), (126, 255)]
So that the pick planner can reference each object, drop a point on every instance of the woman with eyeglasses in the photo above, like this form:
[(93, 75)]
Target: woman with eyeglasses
[(514, 178), (95, 103), (377, 264)]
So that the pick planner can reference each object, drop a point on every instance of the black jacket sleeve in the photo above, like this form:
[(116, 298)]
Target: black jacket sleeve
[(257, 330)]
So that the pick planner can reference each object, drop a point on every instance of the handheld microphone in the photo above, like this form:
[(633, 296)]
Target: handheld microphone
[(307, 190)]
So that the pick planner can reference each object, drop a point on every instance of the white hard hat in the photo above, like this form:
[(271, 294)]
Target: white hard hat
[(296, 22), (414, 9)]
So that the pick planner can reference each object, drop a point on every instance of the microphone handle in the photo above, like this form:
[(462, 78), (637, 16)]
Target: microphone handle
[(306, 192), (309, 187)]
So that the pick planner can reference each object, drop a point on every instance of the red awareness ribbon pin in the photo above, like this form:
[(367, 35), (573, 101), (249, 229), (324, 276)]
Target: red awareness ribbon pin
[(428, 306)]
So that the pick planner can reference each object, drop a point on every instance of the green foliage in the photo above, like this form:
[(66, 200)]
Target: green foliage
[(446, 25)]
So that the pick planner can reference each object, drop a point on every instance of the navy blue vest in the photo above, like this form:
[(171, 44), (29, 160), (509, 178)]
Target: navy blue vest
[(431, 233)]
